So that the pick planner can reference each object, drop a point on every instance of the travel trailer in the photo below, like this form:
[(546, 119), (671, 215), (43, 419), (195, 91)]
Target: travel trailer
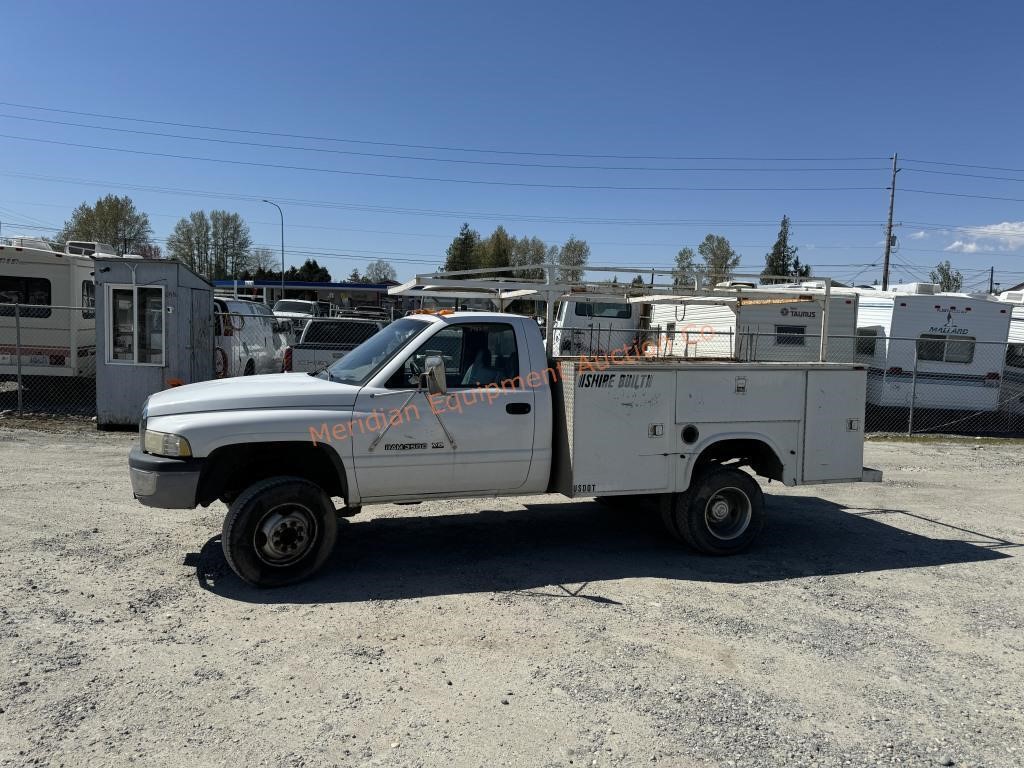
[(928, 349), (767, 323), (1011, 399), (55, 326)]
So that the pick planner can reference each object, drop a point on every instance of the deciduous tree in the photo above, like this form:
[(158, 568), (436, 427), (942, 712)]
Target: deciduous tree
[(379, 272), (111, 219), (572, 260), (720, 260), (949, 279)]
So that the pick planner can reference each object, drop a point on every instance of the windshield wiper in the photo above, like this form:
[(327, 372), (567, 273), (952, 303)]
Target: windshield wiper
[(317, 371)]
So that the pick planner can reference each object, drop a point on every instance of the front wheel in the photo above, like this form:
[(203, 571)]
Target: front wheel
[(279, 531), (721, 514)]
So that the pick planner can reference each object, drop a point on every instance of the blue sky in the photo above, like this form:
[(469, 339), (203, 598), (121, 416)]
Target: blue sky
[(658, 80)]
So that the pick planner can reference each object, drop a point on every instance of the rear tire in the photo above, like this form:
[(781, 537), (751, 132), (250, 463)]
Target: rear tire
[(279, 531), (721, 514)]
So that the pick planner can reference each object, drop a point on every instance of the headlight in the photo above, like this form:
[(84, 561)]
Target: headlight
[(164, 444)]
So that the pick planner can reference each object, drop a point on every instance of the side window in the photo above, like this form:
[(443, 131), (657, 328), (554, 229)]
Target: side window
[(25, 290), (867, 339), (88, 299), (945, 349), (790, 335), (1015, 355), (474, 355)]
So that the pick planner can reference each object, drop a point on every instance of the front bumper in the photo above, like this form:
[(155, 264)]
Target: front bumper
[(158, 481)]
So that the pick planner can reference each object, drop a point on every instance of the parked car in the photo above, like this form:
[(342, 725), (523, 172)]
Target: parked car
[(249, 339), (301, 309), (326, 339)]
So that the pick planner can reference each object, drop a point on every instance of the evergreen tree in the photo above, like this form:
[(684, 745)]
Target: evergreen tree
[(780, 260), (463, 251)]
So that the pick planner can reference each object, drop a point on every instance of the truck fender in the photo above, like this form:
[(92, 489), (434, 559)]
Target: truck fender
[(784, 460)]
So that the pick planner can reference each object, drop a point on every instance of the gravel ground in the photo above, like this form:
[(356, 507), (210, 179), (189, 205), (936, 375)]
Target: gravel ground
[(871, 624)]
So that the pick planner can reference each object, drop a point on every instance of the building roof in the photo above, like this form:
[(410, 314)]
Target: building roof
[(371, 287)]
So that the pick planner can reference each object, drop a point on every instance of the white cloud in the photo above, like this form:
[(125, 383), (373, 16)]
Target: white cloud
[(961, 247), (921, 235), (1004, 236)]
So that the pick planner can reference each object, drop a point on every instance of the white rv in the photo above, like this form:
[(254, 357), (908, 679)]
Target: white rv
[(768, 323), (1011, 399), (931, 349), (56, 322)]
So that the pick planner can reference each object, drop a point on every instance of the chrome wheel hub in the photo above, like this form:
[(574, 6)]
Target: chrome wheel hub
[(727, 513)]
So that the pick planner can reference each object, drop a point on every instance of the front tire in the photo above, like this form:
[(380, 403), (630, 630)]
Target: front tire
[(279, 531), (721, 514)]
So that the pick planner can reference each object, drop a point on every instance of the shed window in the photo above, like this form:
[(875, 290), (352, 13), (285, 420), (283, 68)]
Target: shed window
[(25, 290), (136, 320), (945, 349), (791, 335)]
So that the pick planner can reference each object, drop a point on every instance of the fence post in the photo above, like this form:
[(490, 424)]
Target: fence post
[(913, 395), (17, 352)]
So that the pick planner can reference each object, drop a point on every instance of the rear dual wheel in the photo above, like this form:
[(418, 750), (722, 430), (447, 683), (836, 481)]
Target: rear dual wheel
[(721, 514)]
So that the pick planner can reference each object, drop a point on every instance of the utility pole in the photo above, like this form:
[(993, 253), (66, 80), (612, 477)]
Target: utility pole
[(888, 228), (991, 280)]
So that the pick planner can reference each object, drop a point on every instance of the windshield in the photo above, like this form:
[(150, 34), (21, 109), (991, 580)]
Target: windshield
[(365, 360), (294, 306)]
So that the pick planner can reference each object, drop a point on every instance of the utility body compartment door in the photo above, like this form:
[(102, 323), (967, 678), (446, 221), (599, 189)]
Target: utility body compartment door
[(621, 430), (834, 426)]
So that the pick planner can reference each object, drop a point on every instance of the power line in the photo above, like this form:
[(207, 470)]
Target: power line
[(431, 179), (962, 194), (435, 147), (966, 165), (966, 175), (464, 215), (420, 158)]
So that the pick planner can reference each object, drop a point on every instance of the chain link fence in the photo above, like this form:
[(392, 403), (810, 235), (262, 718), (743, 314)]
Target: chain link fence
[(931, 384), (48, 359)]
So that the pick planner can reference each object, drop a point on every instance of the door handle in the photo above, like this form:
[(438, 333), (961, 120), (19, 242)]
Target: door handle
[(517, 409)]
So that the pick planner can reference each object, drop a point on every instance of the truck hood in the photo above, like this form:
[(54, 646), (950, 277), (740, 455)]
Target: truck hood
[(274, 390)]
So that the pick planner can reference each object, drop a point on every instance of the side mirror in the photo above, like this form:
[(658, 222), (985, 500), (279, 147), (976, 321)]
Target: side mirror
[(437, 381)]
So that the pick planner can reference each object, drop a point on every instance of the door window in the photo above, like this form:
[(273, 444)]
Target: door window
[(474, 355), (136, 319)]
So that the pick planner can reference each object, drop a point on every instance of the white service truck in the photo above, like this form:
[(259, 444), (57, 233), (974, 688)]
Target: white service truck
[(468, 404)]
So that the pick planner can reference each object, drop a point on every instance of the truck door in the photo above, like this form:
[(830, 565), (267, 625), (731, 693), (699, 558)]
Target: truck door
[(489, 410)]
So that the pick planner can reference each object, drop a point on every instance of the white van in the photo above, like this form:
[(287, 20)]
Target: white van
[(595, 325), (249, 339)]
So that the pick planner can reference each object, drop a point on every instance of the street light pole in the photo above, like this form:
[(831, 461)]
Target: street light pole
[(282, 242)]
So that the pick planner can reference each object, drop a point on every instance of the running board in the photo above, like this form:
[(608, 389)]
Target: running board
[(869, 475)]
